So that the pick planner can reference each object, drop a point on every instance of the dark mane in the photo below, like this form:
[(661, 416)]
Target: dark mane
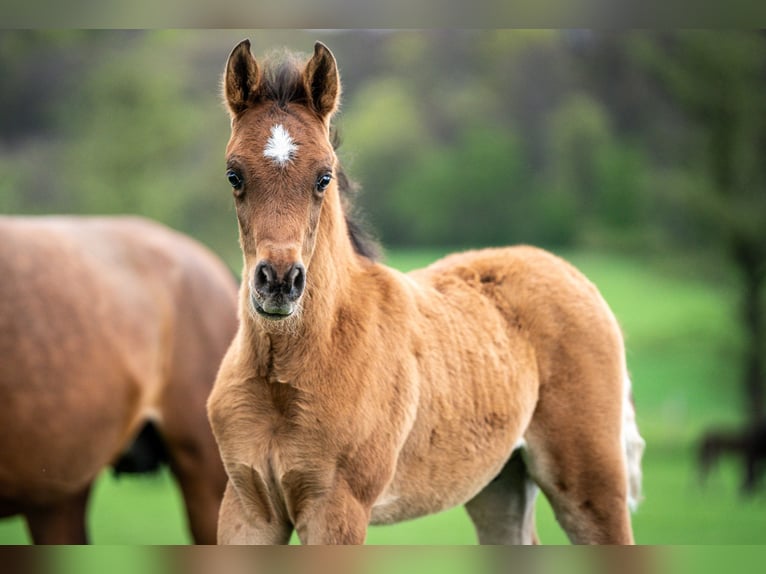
[(282, 80), (363, 241), (282, 83)]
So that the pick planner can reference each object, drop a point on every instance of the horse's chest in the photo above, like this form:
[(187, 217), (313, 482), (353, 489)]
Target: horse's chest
[(251, 417), (268, 434)]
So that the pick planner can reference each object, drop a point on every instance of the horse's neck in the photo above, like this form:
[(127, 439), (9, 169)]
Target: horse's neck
[(330, 279)]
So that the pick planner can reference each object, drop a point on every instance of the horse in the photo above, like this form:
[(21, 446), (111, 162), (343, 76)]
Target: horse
[(748, 442), (353, 394), (111, 333)]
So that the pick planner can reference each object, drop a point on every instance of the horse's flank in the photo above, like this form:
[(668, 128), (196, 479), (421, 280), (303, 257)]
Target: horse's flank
[(359, 394)]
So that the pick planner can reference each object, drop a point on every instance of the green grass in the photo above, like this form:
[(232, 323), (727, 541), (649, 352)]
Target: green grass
[(144, 509), (682, 343)]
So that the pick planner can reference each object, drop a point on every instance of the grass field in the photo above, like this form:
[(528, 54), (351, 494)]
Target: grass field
[(682, 345)]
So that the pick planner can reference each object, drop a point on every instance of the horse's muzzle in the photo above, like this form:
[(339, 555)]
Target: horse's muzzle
[(272, 310), (274, 292)]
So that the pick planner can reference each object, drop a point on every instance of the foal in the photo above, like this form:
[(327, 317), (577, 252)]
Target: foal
[(354, 394)]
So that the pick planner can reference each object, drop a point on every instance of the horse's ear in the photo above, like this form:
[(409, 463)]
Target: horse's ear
[(240, 82), (322, 81)]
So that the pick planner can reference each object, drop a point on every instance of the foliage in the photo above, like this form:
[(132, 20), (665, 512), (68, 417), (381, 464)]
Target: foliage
[(718, 80), (462, 193), (468, 138), (123, 135)]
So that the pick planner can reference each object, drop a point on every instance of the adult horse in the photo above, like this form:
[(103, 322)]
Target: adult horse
[(111, 333), (354, 394)]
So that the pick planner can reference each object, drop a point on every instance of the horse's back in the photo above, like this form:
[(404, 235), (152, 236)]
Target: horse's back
[(89, 309), (537, 293), (522, 269), (117, 283), (578, 345)]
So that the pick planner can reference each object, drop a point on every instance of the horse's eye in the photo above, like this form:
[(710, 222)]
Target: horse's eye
[(323, 181), (234, 179)]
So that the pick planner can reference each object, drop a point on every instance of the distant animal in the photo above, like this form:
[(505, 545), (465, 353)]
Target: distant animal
[(748, 443), (354, 394), (111, 333)]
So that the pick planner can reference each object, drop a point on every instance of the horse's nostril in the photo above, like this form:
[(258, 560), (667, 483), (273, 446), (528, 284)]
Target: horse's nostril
[(298, 277), (269, 282), (263, 276)]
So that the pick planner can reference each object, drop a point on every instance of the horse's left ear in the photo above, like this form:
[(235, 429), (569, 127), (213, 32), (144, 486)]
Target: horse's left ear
[(241, 79), (322, 82)]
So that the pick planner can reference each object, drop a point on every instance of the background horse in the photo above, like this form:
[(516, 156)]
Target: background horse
[(111, 332), (354, 394)]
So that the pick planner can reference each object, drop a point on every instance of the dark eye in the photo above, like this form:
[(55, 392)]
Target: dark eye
[(234, 179), (323, 181)]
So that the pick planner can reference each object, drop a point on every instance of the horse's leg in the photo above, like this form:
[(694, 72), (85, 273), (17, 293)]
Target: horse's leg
[(60, 523), (575, 455), (750, 462), (196, 463), (202, 481), (235, 527), (504, 512), (339, 518)]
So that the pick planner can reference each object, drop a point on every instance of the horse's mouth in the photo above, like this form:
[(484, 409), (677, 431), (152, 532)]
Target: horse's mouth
[(274, 312)]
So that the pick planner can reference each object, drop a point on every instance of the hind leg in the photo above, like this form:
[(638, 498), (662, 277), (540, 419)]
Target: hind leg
[(60, 523), (504, 512), (578, 462)]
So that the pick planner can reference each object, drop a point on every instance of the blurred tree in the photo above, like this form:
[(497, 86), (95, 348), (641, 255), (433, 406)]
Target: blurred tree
[(127, 122), (467, 193), (594, 182), (142, 140), (388, 135), (35, 65), (102, 122), (445, 141), (719, 80)]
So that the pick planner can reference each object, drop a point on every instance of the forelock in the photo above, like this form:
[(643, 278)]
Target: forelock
[(282, 80)]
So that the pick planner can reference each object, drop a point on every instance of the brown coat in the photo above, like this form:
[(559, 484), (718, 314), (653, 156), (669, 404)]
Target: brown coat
[(354, 394), (105, 324)]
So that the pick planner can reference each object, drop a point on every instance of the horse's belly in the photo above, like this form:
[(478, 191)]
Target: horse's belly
[(422, 486), (464, 434)]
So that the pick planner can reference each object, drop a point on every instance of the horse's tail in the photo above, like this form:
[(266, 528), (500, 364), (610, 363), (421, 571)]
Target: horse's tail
[(147, 453), (634, 446)]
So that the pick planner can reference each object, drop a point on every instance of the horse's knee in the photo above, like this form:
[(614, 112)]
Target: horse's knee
[(236, 526), (340, 519)]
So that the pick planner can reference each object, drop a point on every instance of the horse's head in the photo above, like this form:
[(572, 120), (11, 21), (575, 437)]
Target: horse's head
[(281, 165)]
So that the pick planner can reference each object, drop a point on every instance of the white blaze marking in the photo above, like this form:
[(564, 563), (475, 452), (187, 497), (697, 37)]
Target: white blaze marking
[(281, 148)]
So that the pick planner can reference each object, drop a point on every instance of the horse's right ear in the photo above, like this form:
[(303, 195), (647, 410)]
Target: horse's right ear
[(240, 82), (322, 82)]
